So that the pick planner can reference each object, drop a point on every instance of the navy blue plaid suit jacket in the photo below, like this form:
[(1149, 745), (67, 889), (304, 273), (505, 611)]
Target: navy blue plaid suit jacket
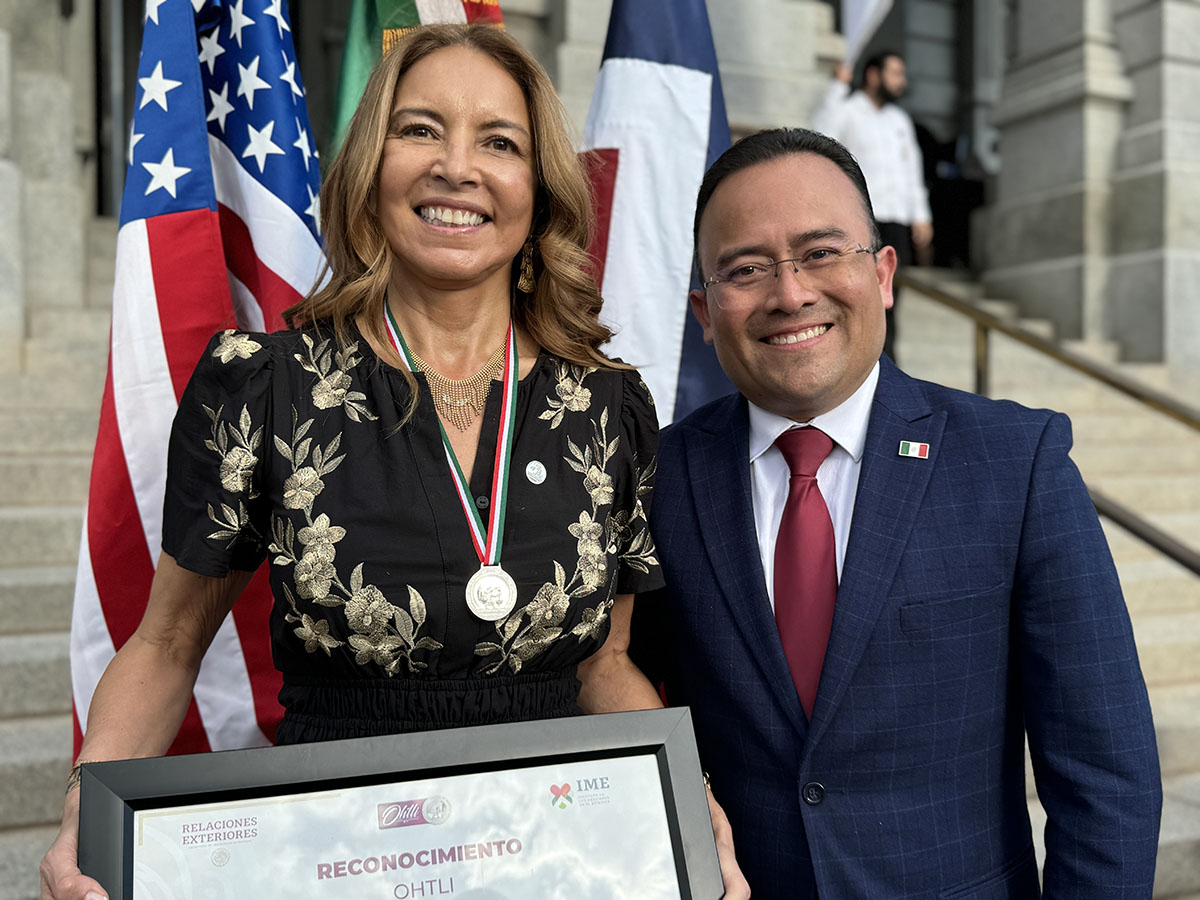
[(978, 604)]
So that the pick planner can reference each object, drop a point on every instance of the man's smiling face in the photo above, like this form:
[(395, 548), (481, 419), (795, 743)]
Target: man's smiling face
[(801, 343)]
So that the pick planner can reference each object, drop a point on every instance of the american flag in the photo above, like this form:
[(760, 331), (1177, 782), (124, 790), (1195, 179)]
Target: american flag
[(219, 229)]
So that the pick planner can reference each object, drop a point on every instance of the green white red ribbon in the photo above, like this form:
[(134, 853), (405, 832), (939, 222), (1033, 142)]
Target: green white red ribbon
[(487, 540)]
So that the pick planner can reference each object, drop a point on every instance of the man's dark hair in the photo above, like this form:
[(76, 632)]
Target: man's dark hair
[(772, 144), (879, 60)]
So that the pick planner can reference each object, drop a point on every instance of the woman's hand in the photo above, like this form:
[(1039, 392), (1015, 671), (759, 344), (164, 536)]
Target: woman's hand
[(736, 887), (61, 878)]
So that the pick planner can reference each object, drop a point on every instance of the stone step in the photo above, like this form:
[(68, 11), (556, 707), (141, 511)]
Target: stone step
[(1178, 492), (40, 535), (1158, 585), (35, 755), (1178, 872), (1178, 868), (1162, 459), (44, 480), (35, 674), (86, 359), (1182, 526), (21, 849), (1104, 427), (70, 324), (64, 389), (1177, 723), (48, 432), (36, 598), (1156, 375), (1013, 368), (1169, 647), (1084, 396), (1106, 352), (1176, 710)]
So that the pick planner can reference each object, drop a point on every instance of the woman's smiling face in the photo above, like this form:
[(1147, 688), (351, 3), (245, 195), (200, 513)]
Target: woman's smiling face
[(456, 181)]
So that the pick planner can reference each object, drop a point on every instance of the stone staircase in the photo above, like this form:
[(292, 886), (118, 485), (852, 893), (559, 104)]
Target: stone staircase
[(48, 416), (1141, 459)]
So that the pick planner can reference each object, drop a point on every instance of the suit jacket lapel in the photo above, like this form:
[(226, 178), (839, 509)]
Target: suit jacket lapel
[(717, 460), (890, 491)]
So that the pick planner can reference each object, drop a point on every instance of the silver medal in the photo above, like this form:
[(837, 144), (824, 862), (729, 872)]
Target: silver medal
[(491, 593)]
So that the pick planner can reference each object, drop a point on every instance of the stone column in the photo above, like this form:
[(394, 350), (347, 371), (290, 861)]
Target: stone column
[(988, 22), (12, 319), (1060, 116), (1154, 285), (53, 216)]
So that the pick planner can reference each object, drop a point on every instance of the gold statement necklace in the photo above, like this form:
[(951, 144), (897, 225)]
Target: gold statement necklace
[(460, 401)]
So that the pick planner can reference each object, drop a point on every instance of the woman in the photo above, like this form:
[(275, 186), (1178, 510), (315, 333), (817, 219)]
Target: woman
[(447, 475)]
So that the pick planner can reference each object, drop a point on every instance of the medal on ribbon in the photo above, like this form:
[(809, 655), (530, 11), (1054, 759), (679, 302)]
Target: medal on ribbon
[(491, 592)]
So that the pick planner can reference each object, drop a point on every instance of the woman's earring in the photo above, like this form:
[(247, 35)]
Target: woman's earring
[(525, 282)]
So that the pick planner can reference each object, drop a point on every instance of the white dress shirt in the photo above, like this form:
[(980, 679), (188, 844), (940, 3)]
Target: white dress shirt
[(884, 142), (837, 477)]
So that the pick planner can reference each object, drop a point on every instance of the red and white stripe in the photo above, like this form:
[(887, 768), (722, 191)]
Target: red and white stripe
[(177, 279)]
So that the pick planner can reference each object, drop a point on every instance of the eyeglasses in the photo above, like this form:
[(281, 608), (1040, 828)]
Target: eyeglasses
[(752, 278)]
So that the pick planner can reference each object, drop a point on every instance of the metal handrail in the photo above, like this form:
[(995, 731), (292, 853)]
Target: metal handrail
[(986, 322)]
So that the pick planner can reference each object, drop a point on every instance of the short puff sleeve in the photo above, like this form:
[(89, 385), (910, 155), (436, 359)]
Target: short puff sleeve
[(215, 516), (639, 570)]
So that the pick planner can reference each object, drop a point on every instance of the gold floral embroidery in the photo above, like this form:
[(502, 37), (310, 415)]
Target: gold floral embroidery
[(333, 382), (646, 390), (385, 634), (235, 345), (236, 471), (638, 548), (235, 524), (572, 395), (532, 629), (238, 461)]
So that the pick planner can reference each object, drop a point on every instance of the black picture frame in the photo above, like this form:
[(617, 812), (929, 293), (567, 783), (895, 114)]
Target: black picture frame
[(112, 792)]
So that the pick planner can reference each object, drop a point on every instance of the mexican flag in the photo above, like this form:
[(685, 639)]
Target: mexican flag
[(377, 24)]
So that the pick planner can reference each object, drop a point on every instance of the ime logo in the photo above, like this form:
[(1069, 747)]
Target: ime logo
[(560, 795)]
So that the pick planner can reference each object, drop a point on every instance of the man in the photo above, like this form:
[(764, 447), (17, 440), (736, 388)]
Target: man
[(882, 138), (865, 662)]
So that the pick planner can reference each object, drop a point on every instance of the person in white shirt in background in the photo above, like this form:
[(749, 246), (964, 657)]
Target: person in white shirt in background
[(881, 136)]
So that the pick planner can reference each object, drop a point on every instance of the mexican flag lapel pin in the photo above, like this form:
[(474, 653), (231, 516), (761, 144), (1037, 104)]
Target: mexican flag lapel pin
[(913, 448)]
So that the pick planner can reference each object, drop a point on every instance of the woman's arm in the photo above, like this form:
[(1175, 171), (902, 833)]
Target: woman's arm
[(610, 682), (143, 696)]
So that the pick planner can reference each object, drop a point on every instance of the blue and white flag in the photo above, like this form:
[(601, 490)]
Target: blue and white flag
[(657, 121)]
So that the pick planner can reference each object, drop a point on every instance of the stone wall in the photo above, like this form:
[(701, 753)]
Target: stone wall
[(44, 205), (12, 281)]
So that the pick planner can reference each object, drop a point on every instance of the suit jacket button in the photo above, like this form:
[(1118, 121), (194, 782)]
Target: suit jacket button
[(813, 793)]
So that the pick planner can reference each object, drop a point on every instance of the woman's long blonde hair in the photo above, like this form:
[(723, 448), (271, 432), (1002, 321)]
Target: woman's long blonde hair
[(561, 314)]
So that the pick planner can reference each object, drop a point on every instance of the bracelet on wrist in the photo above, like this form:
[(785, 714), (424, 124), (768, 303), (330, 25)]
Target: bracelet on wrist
[(76, 774)]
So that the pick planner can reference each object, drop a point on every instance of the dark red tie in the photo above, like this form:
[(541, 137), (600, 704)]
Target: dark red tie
[(805, 563)]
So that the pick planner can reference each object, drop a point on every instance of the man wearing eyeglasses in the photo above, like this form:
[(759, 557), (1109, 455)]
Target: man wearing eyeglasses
[(880, 588)]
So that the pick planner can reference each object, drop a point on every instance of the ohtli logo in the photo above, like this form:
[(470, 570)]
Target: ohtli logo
[(422, 811)]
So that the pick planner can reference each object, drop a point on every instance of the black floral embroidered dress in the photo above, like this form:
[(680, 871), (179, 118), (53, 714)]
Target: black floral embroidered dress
[(289, 446)]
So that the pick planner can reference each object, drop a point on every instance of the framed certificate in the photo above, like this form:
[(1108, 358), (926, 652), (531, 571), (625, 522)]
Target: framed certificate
[(587, 808)]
